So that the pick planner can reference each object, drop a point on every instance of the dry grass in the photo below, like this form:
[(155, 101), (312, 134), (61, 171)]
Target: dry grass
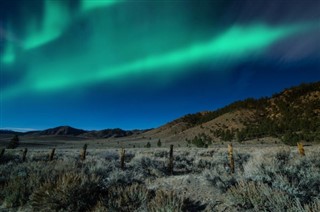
[(271, 179), (69, 192), (166, 201)]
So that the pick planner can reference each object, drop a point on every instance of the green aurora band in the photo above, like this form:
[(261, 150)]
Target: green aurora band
[(88, 5), (8, 56), (56, 20), (235, 43)]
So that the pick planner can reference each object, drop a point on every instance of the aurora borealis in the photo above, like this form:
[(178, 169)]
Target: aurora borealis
[(98, 64)]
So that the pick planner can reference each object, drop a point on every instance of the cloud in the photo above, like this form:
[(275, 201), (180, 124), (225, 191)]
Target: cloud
[(302, 46), (18, 129)]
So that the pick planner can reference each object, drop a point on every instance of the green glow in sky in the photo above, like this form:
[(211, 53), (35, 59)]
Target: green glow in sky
[(8, 56), (55, 20), (88, 5), (75, 61), (235, 43)]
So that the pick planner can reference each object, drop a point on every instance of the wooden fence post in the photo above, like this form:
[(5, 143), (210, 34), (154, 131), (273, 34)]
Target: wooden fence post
[(170, 165), (83, 152), (122, 158), (51, 155), (2, 152), (24, 154), (231, 159), (301, 149)]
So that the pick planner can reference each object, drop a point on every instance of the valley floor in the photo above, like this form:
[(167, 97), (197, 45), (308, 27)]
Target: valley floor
[(266, 178)]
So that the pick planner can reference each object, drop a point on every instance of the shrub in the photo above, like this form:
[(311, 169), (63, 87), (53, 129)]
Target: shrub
[(8, 156), (148, 167), (299, 178), (161, 154), (220, 179), (15, 192), (100, 207), (14, 143), (165, 201), (258, 196), (283, 156), (69, 192), (290, 139), (262, 197), (126, 197), (201, 140)]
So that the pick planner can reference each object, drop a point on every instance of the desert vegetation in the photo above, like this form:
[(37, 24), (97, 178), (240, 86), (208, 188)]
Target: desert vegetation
[(14, 142), (234, 178), (291, 116)]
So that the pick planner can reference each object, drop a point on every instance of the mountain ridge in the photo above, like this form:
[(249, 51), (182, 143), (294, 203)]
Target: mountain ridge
[(290, 115), (71, 131)]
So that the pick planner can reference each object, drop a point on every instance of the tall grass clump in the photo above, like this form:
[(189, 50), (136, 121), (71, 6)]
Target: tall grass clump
[(166, 201), (124, 198), (277, 181), (69, 192)]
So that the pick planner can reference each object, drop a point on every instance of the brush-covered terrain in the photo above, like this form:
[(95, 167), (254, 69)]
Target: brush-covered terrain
[(290, 116), (269, 173), (264, 179)]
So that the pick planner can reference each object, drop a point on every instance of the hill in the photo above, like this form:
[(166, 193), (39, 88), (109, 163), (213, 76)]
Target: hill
[(63, 130), (68, 131), (291, 115)]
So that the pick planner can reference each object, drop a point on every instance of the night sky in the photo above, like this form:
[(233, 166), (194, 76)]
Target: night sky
[(97, 64)]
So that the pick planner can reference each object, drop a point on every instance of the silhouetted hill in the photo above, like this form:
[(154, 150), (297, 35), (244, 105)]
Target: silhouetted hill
[(74, 132), (9, 132), (62, 130)]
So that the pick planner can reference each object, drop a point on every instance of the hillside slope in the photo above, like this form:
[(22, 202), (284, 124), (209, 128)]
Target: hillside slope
[(291, 115)]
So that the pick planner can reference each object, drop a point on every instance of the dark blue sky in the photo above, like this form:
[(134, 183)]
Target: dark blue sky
[(132, 64)]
